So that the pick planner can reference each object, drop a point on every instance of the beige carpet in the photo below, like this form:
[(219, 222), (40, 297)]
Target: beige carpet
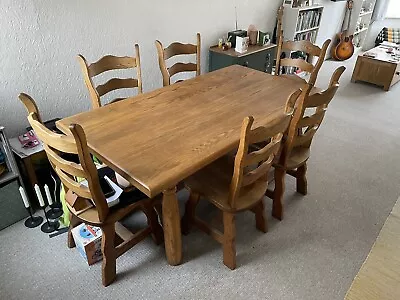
[(314, 253)]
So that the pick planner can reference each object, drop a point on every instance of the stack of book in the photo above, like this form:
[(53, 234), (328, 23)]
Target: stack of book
[(306, 36), (308, 19)]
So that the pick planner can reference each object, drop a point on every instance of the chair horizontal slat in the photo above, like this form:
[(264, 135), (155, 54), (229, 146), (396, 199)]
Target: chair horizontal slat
[(304, 46), (320, 99), (69, 167), (111, 62), (77, 188), (261, 134), (179, 49), (311, 120), (257, 173), (214, 233), (297, 62), (305, 138), (132, 241), (260, 155), (182, 67), (115, 84), (57, 141)]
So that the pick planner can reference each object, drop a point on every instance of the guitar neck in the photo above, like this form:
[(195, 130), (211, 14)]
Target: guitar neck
[(350, 9)]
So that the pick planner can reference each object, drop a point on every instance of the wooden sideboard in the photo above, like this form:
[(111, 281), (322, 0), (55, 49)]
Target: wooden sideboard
[(257, 57)]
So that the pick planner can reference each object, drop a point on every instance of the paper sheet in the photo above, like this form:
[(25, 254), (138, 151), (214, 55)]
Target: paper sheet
[(114, 199)]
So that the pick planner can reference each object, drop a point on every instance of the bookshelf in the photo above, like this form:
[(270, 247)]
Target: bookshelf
[(301, 23), (363, 11)]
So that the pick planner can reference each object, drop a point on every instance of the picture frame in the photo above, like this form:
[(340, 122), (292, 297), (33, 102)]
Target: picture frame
[(264, 38)]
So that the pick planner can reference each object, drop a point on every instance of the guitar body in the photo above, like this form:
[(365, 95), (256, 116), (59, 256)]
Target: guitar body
[(344, 48)]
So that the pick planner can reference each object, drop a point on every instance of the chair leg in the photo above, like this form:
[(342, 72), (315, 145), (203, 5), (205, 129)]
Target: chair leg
[(301, 179), (277, 207), (190, 211), (152, 220), (109, 254), (229, 244), (261, 222), (73, 222), (158, 208)]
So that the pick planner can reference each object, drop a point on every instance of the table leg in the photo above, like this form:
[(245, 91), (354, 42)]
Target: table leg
[(172, 227)]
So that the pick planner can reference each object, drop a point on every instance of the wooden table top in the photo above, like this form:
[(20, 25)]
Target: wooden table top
[(159, 138), (382, 55), (379, 276)]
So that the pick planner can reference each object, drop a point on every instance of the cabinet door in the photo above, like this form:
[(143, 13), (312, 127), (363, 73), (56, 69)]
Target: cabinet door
[(262, 61), (219, 61)]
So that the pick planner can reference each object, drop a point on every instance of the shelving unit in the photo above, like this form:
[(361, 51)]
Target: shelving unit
[(11, 205), (362, 12), (301, 23)]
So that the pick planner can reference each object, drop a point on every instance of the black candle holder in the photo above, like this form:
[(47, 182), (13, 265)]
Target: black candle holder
[(33, 221), (49, 226), (54, 212), (56, 206)]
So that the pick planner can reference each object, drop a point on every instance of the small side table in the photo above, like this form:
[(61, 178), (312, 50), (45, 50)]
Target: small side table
[(26, 156), (381, 70)]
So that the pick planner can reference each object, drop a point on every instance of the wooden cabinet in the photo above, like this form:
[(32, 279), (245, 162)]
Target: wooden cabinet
[(257, 57)]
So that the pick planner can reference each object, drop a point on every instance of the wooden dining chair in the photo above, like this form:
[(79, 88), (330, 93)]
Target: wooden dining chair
[(108, 63), (175, 49), (307, 48), (295, 152), (86, 202), (235, 185)]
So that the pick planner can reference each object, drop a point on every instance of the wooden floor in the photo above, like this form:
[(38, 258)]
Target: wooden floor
[(379, 276)]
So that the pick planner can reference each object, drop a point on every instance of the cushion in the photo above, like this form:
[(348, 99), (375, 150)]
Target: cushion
[(389, 35)]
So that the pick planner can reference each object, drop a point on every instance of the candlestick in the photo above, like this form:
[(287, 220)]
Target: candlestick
[(56, 204), (32, 221), (48, 226), (39, 196), (52, 213), (48, 195)]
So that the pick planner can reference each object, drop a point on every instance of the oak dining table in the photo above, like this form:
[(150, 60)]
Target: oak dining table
[(157, 139)]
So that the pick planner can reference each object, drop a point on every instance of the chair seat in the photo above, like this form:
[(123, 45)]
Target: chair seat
[(129, 202), (214, 183), (298, 157)]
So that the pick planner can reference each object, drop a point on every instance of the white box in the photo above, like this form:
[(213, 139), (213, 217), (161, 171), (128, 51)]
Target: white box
[(88, 242), (242, 43)]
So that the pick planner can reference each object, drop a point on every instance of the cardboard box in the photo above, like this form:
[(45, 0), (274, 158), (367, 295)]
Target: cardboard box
[(88, 242)]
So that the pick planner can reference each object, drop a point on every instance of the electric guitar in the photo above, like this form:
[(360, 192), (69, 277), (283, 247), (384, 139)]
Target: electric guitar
[(344, 48)]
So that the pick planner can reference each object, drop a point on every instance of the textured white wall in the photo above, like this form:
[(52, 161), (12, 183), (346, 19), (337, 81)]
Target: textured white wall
[(39, 41)]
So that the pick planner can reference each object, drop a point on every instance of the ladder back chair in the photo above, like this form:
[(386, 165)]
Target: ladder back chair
[(236, 185), (109, 63), (175, 49), (86, 202), (306, 47), (296, 148)]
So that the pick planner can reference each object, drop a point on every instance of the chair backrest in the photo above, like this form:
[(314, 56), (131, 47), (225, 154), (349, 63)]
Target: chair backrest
[(178, 49), (305, 123), (245, 175), (108, 63), (306, 47), (59, 148)]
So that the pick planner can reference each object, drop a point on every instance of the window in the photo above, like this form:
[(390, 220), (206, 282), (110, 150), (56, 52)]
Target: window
[(393, 9)]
